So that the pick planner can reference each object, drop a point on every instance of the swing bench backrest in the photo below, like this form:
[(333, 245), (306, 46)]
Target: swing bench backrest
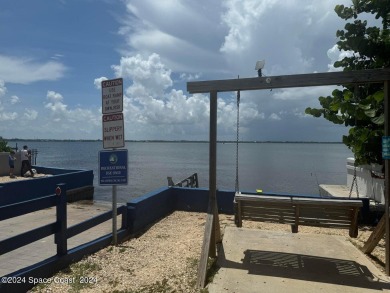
[(318, 212)]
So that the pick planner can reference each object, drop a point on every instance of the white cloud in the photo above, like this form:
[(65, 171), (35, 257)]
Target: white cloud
[(3, 89), (334, 54), (57, 56), (27, 70), (4, 116), (77, 119), (300, 113), (288, 45), (30, 114), (14, 100), (190, 77), (55, 104), (186, 34), (98, 82), (242, 17), (151, 103), (274, 116), (303, 94), (150, 72)]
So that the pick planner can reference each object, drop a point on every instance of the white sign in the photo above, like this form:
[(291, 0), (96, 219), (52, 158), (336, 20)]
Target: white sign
[(113, 131), (112, 96)]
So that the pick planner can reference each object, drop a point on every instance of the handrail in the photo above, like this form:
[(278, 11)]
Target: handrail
[(92, 222), (191, 181), (23, 239), (28, 206), (58, 227)]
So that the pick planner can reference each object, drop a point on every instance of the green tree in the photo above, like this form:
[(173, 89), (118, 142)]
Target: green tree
[(4, 145), (360, 107)]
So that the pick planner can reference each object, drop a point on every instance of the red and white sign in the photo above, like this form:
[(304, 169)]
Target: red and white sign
[(112, 96), (113, 131)]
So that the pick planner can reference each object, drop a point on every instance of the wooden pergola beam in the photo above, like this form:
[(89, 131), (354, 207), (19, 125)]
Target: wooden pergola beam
[(290, 81)]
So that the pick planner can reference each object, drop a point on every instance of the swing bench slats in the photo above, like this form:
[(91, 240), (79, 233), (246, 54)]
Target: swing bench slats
[(296, 211)]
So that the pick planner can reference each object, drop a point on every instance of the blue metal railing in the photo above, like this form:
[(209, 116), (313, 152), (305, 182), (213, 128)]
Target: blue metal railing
[(63, 256)]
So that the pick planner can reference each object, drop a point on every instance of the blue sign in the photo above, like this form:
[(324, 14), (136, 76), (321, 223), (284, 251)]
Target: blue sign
[(386, 147), (113, 167)]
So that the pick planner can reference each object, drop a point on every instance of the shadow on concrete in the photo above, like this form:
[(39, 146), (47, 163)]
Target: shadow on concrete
[(306, 268)]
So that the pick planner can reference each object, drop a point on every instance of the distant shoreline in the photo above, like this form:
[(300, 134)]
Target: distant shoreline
[(171, 141)]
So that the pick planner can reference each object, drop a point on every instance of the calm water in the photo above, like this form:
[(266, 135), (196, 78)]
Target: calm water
[(275, 167)]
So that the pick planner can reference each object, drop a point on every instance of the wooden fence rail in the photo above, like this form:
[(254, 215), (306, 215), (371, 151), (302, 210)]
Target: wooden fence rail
[(58, 227)]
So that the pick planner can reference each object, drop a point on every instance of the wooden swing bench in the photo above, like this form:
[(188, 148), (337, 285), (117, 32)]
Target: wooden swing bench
[(296, 211)]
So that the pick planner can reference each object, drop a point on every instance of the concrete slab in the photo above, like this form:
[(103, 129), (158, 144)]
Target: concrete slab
[(263, 261), (337, 191)]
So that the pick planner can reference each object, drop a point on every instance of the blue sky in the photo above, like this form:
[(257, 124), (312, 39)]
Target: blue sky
[(54, 54)]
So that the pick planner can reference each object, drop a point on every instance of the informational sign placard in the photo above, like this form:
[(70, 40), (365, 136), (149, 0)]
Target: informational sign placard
[(113, 167), (112, 96), (113, 131), (386, 147)]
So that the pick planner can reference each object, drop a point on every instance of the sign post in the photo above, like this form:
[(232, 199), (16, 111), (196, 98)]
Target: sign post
[(113, 164)]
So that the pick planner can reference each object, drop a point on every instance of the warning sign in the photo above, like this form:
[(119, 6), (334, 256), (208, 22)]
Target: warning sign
[(113, 131), (112, 96)]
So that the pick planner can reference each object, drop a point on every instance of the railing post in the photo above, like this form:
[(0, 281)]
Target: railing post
[(61, 235), (124, 219), (130, 215), (196, 180)]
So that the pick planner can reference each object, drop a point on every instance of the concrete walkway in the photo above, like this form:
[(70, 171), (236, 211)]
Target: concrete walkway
[(265, 261), (45, 248)]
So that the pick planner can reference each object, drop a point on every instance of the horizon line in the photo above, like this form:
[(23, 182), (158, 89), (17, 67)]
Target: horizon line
[(173, 140)]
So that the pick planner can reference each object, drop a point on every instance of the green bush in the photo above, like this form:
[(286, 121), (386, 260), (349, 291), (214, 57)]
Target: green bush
[(4, 145)]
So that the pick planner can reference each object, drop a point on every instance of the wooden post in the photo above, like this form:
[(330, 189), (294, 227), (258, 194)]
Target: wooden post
[(375, 236), (212, 233), (386, 90), (61, 236)]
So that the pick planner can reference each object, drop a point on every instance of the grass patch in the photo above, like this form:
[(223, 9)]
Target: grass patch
[(114, 283), (192, 268), (79, 271), (157, 287), (162, 236), (212, 269)]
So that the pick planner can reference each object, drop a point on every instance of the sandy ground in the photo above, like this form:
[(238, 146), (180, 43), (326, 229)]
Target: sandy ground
[(4, 179), (165, 257)]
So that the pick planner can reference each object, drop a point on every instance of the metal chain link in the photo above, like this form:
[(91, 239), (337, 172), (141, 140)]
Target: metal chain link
[(354, 180), (238, 137)]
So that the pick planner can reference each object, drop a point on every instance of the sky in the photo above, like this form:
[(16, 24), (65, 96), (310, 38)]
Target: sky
[(55, 54)]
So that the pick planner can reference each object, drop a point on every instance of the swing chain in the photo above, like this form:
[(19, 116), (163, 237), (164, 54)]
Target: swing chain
[(238, 137), (354, 180)]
